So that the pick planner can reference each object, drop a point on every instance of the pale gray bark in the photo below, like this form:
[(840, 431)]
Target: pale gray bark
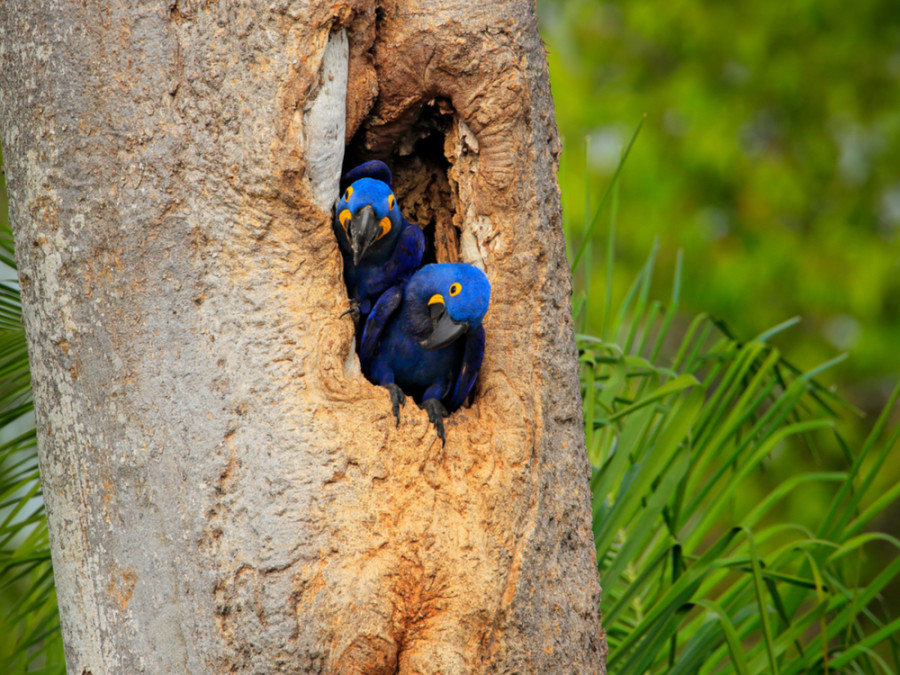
[(224, 491)]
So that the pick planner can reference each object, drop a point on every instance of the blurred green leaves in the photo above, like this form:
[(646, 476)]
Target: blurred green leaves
[(768, 156)]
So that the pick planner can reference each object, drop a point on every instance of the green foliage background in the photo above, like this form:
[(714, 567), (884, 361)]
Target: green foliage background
[(770, 156)]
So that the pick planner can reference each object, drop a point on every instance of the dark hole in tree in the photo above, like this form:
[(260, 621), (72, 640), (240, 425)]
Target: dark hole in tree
[(419, 167), (422, 186)]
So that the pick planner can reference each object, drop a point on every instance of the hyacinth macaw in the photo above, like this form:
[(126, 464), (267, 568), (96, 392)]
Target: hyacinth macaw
[(379, 247), (424, 338)]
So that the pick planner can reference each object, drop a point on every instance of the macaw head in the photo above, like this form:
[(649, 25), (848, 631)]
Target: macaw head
[(369, 218), (456, 296)]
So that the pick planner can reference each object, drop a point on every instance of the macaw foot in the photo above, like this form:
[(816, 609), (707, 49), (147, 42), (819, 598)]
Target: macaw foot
[(353, 311), (398, 398), (436, 414)]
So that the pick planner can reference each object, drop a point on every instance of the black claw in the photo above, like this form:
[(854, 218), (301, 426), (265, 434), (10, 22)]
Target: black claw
[(353, 311), (436, 414), (398, 398)]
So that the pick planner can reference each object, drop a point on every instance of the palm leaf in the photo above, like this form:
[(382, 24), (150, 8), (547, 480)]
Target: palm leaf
[(697, 578), (29, 618)]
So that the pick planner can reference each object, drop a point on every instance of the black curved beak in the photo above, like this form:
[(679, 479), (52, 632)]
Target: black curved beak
[(363, 231), (444, 330)]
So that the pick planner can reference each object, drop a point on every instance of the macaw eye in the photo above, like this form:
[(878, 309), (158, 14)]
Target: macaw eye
[(455, 289), (348, 194), (344, 217), (390, 202), (385, 227)]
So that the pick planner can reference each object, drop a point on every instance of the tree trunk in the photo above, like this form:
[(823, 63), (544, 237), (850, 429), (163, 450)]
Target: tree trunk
[(225, 491)]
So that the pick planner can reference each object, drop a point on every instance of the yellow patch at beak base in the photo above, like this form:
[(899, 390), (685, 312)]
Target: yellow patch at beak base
[(437, 297), (385, 227)]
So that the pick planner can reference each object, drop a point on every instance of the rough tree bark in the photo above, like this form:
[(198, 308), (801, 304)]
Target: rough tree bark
[(225, 491)]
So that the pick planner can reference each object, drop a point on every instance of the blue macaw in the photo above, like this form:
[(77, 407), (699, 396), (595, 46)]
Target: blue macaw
[(425, 338), (379, 247)]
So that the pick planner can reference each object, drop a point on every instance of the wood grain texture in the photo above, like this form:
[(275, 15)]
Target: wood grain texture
[(225, 492)]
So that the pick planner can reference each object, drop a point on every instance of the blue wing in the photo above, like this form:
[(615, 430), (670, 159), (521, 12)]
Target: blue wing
[(468, 373), (375, 169), (378, 318), (407, 257), (371, 281)]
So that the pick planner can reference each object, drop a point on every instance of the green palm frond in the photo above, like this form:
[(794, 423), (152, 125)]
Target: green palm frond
[(29, 618), (702, 572)]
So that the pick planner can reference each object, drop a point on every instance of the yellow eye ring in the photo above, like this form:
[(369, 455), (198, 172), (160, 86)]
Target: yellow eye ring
[(455, 289), (344, 217), (349, 194), (385, 227), (390, 202)]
